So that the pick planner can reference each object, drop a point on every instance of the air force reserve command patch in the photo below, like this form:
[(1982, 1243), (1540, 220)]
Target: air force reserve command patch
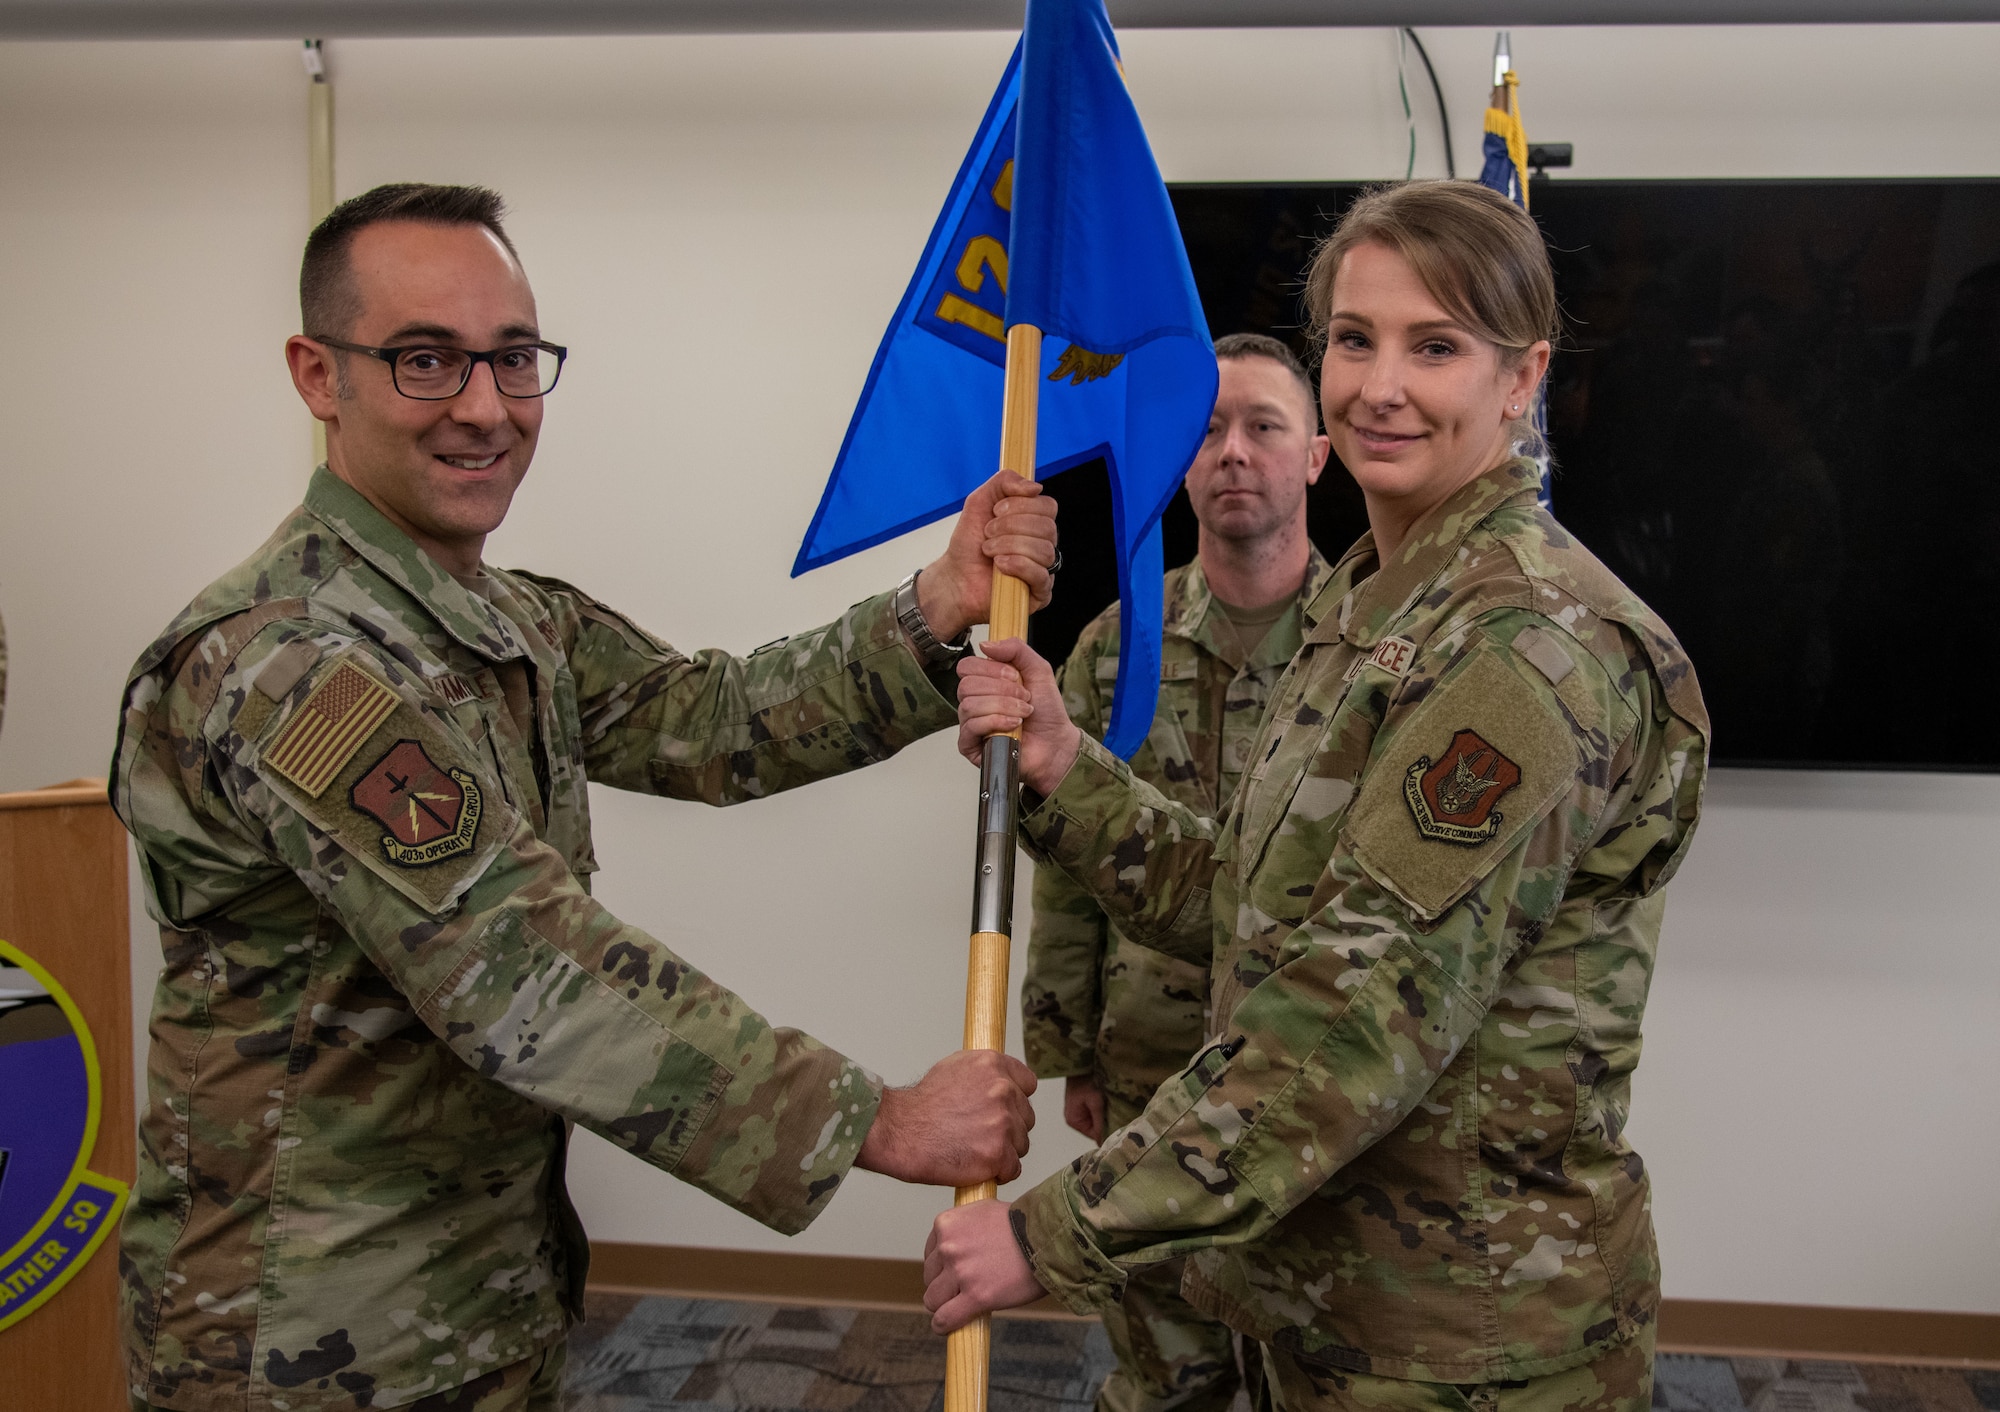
[(431, 813), (1453, 800)]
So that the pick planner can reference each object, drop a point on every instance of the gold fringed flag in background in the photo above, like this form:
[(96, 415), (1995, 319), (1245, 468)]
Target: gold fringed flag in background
[(1506, 169)]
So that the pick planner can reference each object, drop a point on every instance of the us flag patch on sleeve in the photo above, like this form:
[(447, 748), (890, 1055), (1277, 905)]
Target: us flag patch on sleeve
[(329, 727)]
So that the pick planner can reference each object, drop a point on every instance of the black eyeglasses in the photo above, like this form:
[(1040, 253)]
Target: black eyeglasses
[(431, 374)]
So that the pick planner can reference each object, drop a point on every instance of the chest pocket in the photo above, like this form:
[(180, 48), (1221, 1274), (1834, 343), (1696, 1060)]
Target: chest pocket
[(1311, 772), (1307, 720), (564, 803), (1169, 758), (569, 796)]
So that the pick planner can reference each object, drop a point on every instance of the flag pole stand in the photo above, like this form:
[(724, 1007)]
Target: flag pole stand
[(968, 1351)]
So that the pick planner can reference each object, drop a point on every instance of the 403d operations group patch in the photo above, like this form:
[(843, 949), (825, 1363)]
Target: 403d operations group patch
[(53, 1212)]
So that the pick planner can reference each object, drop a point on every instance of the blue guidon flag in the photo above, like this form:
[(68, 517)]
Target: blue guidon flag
[(1059, 219)]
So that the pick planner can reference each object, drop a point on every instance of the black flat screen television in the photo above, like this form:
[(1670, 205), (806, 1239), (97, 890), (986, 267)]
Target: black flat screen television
[(1775, 414)]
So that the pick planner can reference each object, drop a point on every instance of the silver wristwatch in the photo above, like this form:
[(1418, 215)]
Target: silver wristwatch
[(936, 656)]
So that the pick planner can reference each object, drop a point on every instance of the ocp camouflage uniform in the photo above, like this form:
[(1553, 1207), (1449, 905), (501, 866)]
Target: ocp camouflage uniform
[(1129, 1016), (358, 790), (1437, 898)]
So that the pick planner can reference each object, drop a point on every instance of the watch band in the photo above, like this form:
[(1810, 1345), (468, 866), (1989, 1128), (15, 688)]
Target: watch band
[(935, 655)]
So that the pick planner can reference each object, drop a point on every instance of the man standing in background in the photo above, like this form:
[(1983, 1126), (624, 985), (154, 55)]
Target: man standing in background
[(1113, 1019)]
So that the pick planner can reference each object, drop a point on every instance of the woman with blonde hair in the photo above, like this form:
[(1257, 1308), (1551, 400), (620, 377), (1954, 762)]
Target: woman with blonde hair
[(1398, 1163)]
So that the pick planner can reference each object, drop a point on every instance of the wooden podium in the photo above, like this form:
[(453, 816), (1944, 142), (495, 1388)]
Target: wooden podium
[(63, 901)]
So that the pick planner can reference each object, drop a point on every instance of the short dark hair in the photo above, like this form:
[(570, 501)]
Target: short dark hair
[(1262, 345), (328, 301)]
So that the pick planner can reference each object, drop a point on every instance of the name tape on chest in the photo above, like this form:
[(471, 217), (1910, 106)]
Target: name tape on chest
[(455, 689), (1392, 655), (331, 724), (1184, 669)]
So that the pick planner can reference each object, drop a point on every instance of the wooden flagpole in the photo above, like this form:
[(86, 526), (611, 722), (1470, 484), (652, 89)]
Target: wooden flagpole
[(968, 1350)]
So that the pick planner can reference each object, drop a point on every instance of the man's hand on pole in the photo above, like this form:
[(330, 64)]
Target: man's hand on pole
[(1011, 686), (973, 1265), (1007, 524), (965, 1121)]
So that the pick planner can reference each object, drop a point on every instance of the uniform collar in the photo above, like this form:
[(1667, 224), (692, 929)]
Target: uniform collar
[(1361, 601), (1192, 612), (467, 617)]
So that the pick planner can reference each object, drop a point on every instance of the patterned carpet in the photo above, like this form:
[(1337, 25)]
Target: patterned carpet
[(660, 1354)]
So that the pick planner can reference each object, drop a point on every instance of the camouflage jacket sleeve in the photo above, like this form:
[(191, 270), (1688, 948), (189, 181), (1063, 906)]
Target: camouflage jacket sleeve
[(1062, 1001), (1403, 946), (723, 729), (479, 923), (1100, 798)]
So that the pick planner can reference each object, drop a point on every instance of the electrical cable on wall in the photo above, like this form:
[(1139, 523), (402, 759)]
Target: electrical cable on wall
[(1444, 118), (1403, 91)]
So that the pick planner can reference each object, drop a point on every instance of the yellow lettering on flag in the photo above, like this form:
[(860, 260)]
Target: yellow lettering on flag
[(952, 309), (982, 250)]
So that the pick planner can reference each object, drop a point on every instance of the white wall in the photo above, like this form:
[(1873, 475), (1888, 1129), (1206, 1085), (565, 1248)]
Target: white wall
[(719, 227)]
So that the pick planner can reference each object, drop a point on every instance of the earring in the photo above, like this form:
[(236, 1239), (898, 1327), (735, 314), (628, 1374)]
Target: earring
[(1515, 408)]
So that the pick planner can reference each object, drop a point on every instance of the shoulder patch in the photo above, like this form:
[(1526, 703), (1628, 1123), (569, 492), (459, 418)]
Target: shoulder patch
[(329, 726), (1453, 800), (1459, 781), (396, 787), (431, 813)]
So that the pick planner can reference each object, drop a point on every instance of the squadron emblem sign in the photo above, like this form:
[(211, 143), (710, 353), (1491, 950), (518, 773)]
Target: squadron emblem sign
[(1452, 801), (430, 813), (53, 1213)]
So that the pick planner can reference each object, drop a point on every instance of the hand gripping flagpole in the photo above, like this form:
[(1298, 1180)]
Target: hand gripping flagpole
[(968, 1350)]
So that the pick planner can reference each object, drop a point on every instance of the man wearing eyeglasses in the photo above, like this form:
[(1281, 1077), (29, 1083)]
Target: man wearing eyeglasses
[(355, 768)]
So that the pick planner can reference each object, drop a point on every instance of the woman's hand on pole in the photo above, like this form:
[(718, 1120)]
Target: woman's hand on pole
[(973, 1265), (1010, 688)]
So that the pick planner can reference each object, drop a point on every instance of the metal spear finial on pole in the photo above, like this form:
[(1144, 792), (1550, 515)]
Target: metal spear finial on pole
[(968, 1351), (319, 167)]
